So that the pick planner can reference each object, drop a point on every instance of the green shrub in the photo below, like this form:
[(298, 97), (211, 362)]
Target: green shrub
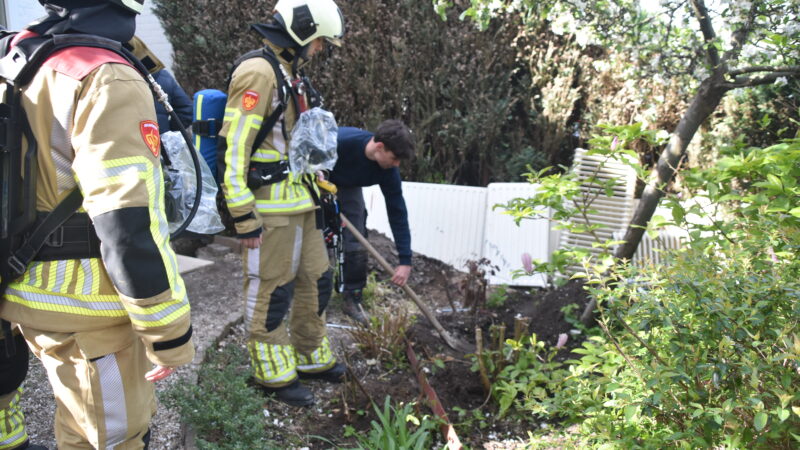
[(701, 352), (462, 91), (224, 410)]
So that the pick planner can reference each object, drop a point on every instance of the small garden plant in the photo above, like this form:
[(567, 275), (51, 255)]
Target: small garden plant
[(225, 412), (397, 427)]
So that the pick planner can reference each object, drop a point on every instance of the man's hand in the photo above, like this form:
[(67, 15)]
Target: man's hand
[(159, 373), (401, 274), (252, 242)]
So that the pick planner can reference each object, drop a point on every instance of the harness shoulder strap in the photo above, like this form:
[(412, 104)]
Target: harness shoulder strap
[(283, 90), (30, 247)]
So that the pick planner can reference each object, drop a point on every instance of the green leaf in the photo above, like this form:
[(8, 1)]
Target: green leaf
[(760, 421), (783, 414), (630, 412)]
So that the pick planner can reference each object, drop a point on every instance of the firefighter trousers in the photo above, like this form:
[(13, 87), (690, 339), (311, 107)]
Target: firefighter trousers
[(288, 275), (102, 398)]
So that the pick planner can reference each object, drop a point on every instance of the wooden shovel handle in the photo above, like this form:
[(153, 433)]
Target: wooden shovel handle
[(410, 292)]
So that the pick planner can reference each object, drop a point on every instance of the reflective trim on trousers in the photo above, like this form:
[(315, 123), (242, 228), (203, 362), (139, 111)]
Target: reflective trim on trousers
[(253, 277), (319, 360), (113, 394), (272, 364), (12, 424)]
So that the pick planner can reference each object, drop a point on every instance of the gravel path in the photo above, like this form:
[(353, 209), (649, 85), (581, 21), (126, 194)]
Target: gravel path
[(214, 292)]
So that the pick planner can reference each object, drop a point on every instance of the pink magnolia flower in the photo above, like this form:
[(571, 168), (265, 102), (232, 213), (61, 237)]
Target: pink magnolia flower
[(614, 143), (562, 340), (527, 262)]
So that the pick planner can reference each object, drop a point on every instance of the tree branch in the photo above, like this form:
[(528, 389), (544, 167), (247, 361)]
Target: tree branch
[(739, 37), (758, 81), (707, 28), (754, 69)]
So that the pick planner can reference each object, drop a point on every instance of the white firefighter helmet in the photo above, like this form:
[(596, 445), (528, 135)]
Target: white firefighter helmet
[(134, 6), (306, 20)]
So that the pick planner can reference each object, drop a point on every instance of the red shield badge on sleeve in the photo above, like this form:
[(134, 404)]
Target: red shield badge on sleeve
[(151, 136), (249, 100)]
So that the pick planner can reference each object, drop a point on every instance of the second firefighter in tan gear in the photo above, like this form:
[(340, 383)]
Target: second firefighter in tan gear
[(285, 260)]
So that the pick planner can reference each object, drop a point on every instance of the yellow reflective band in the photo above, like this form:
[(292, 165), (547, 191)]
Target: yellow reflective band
[(80, 275), (12, 424), (272, 364), (198, 116), (267, 206), (51, 278), (90, 305), (262, 155), (243, 199), (237, 156), (319, 360), (158, 315)]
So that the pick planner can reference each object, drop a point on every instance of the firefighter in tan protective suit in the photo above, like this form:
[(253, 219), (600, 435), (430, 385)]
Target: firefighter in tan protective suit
[(103, 301), (285, 259)]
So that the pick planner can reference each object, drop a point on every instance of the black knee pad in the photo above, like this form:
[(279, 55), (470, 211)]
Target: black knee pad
[(355, 270), (324, 290), (279, 302), (146, 439), (13, 369)]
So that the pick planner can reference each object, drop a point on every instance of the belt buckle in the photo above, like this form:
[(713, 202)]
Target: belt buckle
[(56, 238)]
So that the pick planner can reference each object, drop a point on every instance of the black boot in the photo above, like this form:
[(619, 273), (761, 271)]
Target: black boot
[(294, 394), (351, 306), (333, 375), (28, 446)]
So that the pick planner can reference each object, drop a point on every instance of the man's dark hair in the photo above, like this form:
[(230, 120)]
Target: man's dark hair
[(397, 138)]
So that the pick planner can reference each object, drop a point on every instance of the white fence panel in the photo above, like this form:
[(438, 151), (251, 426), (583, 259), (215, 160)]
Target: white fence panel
[(446, 222), (456, 223), (505, 242)]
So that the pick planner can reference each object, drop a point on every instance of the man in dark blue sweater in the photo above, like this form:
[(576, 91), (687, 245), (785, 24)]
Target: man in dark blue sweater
[(366, 159)]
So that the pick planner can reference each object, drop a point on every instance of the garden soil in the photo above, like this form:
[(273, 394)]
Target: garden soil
[(216, 315)]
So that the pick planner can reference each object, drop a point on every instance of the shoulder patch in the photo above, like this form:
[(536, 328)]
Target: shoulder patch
[(250, 100), (78, 62), (150, 135)]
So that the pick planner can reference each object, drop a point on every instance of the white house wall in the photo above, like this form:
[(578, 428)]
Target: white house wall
[(148, 28), (22, 12)]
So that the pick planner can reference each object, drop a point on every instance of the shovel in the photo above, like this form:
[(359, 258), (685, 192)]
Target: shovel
[(453, 343)]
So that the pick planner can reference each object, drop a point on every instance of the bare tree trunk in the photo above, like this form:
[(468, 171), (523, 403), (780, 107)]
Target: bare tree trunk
[(708, 97)]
